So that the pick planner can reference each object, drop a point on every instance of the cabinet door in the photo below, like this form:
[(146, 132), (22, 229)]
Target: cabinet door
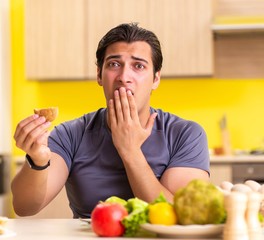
[(62, 35), (220, 173), (103, 15), (55, 39), (183, 27)]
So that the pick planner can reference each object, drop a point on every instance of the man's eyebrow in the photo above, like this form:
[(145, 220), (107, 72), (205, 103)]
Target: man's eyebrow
[(113, 56), (117, 56), (140, 59)]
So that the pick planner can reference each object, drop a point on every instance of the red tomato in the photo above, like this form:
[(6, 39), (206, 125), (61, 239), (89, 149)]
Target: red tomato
[(106, 219)]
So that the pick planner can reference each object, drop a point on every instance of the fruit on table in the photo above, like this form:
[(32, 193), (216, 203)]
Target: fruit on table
[(106, 219), (115, 199), (137, 214), (200, 202), (162, 213)]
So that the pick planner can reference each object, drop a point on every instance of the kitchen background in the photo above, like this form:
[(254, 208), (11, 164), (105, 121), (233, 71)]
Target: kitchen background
[(204, 97)]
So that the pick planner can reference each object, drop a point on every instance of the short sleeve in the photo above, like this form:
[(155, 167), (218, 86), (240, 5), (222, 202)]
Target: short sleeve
[(64, 139), (190, 147)]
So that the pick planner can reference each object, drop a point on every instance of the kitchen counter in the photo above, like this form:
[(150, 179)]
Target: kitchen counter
[(237, 158), (236, 168), (53, 229)]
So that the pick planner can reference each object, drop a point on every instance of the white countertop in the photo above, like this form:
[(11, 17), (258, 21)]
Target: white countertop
[(237, 159), (54, 229)]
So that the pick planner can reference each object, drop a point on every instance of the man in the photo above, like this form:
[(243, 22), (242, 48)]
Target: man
[(127, 149)]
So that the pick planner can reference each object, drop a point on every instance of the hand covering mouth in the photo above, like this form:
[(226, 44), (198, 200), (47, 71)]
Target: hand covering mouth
[(127, 89)]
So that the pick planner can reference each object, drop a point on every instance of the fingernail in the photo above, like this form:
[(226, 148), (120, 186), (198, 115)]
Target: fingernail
[(47, 124)]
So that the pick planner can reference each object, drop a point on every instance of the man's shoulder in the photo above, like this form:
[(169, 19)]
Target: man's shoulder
[(168, 120), (88, 121)]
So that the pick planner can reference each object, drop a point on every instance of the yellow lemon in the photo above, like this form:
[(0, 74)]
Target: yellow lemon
[(162, 213)]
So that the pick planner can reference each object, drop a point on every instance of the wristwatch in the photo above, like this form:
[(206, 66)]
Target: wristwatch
[(33, 166)]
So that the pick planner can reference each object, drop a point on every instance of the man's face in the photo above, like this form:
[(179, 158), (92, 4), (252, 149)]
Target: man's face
[(129, 65)]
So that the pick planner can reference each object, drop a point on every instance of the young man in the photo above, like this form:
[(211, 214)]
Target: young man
[(127, 149)]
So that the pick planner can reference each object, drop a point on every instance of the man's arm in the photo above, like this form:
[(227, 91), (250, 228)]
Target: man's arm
[(128, 136), (146, 186), (33, 189)]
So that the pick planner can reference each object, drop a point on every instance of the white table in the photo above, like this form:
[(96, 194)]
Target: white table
[(53, 229)]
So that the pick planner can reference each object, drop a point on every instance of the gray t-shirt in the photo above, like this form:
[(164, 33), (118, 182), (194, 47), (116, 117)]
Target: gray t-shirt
[(96, 171)]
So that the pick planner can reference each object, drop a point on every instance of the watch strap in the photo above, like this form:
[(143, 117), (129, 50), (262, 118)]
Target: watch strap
[(34, 166)]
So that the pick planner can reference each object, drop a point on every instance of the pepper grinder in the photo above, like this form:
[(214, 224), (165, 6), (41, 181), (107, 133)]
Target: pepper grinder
[(253, 206), (236, 225)]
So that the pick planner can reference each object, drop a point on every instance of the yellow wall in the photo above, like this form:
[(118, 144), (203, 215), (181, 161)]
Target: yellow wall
[(202, 100)]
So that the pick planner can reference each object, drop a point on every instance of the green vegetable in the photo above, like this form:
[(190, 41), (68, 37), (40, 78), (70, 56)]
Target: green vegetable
[(137, 215), (115, 199), (160, 198), (200, 202)]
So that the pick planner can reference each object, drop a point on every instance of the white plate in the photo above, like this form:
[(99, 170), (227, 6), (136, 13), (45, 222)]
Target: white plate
[(187, 231)]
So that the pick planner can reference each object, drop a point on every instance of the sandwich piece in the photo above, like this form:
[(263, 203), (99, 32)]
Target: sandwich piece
[(49, 113)]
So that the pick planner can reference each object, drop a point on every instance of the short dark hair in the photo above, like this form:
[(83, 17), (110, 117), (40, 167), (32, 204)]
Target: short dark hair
[(129, 32)]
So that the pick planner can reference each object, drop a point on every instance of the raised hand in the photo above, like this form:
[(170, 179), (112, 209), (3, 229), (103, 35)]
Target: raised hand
[(31, 135), (127, 131)]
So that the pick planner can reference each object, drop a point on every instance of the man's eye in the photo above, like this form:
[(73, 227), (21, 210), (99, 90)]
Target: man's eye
[(140, 66), (113, 64)]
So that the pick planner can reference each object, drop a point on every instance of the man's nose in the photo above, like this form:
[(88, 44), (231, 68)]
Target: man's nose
[(124, 75)]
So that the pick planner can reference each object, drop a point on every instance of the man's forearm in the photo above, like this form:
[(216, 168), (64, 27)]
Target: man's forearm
[(142, 180), (29, 190)]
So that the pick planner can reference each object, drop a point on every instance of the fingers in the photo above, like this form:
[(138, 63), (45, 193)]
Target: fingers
[(120, 107), (111, 113), (28, 130), (132, 106), (125, 105), (24, 123), (42, 139), (118, 98)]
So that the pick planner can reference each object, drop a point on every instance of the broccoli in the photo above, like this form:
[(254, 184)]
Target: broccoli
[(200, 202), (137, 215)]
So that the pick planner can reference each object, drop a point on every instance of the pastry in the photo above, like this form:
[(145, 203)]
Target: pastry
[(49, 113)]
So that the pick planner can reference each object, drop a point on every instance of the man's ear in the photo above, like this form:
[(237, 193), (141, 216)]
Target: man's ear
[(156, 81), (99, 80)]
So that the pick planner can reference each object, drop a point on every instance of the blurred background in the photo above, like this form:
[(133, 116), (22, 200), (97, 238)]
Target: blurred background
[(213, 66)]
